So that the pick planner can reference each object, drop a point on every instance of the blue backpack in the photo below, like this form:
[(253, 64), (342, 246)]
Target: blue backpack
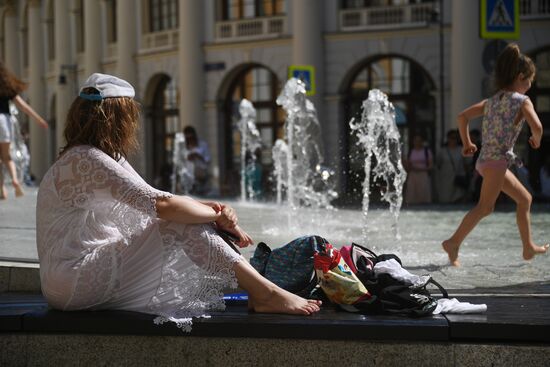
[(291, 266)]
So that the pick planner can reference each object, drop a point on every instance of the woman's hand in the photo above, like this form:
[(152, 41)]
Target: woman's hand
[(469, 149), (217, 206), (228, 218), (41, 122), (244, 239)]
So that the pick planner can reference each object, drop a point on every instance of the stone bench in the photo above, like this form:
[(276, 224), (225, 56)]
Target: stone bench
[(514, 331)]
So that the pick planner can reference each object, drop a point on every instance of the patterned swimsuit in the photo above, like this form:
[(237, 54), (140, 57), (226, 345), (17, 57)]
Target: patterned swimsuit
[(499, 130)]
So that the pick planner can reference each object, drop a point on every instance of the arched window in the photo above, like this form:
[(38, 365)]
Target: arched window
[(408, 87), (164, 123), (163, 15), (260, 86), (241, 9)]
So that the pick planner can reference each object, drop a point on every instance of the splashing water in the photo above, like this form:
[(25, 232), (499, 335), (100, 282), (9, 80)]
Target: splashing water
[(183, 172), (299, 162), (250, 143), (378, 135)]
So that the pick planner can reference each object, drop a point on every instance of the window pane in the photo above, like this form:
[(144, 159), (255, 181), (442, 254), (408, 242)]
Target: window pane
[(249, 9)]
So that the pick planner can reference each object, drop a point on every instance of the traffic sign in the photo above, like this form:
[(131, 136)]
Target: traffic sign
[(305, 73), (499, 19)]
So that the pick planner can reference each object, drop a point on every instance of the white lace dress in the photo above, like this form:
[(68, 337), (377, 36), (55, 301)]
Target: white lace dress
[(101, 245)]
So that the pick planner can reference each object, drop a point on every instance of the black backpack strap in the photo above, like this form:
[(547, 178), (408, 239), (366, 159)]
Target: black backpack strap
[(370, 252), (443, 290)]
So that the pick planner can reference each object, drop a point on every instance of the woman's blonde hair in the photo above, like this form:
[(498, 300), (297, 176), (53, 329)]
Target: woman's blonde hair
[(109, 124), (510, 63), (10, 86)]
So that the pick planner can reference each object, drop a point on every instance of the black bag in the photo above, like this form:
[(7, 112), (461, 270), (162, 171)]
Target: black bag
[(392, 295)]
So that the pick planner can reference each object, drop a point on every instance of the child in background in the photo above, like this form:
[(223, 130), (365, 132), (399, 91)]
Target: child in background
[(503, 116)]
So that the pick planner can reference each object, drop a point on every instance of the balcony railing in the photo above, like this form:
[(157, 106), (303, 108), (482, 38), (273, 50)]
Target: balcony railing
[(386, 17), (160, 41), (534, 9), (251, 29)]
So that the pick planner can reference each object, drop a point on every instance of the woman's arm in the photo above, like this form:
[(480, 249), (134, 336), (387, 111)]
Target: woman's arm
[(24, 107), (463, 121), (534, 123), (186, 210)]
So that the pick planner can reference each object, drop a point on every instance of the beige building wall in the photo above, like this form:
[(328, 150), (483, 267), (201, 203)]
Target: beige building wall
[(140, 56)]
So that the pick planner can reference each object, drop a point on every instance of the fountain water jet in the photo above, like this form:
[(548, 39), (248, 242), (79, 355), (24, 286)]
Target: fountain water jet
[(250, 142), (299, 162), (378, 135), (183, 173)]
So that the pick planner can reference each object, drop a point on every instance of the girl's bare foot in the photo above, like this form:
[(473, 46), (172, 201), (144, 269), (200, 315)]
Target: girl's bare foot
[(3, 193), (452, 251), (281, 301), (18, 190), (531, 251)]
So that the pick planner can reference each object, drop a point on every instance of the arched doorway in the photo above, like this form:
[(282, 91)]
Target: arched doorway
[(260, 86), (162, 115), (540, 96), (409, 88)]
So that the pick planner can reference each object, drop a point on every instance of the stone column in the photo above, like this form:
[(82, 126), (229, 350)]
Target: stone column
[(191, 59), (37, 92), (11, 43), (307, 45), (127, 41), (65, 92), (466, 63), (92, 37)]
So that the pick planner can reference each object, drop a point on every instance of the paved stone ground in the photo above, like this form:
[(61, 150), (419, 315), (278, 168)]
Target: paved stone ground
[(18, 226)]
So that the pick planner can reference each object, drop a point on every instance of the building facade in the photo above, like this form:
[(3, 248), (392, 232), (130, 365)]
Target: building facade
[(193, 61)]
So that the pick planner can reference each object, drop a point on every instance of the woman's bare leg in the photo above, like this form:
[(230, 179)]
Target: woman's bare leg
[(3, 192), (493, 180), (266, 297), (514, 189), (6, 159)]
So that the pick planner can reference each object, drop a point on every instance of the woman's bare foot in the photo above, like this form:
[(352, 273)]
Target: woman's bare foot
[(18, 190), (3, 193), (452, 251), (281, 301), (531, 251)]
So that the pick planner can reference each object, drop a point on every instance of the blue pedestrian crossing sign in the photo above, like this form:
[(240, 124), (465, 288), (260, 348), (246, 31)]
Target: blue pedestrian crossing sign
[(499, 19), (305, 73)]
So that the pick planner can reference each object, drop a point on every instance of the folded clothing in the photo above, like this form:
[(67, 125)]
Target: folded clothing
[(453, 305)]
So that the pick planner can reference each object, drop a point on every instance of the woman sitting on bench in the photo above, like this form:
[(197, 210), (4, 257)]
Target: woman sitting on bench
[(108, 240)]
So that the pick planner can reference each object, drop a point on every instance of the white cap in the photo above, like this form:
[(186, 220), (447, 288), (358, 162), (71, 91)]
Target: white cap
[(108, 86)]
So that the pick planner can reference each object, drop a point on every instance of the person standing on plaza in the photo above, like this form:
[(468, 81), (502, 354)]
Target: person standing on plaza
[(503, 117), (419, 163), (108, 240), (10, 88), (452, 181)]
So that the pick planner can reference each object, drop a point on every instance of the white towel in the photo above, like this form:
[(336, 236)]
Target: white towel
[(452, 305)]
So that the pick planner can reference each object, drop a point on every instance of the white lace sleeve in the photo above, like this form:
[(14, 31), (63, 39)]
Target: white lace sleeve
[(89, 179)]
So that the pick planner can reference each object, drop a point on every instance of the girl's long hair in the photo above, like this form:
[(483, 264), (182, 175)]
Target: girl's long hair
[(10, 86), (510, 63), (110, 125)]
